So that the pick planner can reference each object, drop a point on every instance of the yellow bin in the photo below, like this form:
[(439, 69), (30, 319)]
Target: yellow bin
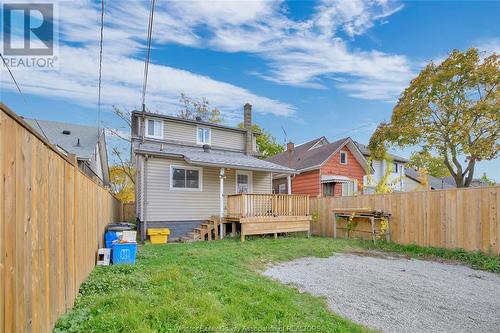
[(158, 236)]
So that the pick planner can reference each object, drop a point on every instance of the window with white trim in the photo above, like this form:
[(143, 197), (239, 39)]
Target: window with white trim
[(395, 168), (282, 188), (185, 178), (154, 128), (203, 136), (243, 182), (343, 157)]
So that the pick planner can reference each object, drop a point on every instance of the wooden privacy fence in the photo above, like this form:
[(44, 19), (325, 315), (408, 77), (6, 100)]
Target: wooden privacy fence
[(52, 219), (456, 218), (128, 211)]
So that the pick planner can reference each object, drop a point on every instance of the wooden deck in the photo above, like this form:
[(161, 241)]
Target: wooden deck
[(260, 214)]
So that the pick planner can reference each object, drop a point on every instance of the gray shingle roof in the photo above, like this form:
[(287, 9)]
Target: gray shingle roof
[(303, 157), (219, 158), (434, 182), (365, 151), (53, 131)]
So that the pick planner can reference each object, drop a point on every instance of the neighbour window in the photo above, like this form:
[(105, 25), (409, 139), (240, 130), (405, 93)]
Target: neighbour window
[(343, 157), (243, 181), (203, 137), (328, 189), (154, 128), (186, 178), (282, 189), (347, 189), (394, 167)]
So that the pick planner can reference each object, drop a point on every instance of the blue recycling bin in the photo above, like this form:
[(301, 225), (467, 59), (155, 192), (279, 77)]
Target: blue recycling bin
[(123, 253), (109, 237)]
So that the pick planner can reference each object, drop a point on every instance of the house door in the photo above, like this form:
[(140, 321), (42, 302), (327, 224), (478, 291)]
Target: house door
[(243, 182)]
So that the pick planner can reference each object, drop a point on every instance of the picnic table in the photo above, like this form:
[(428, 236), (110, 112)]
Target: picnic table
[(366, 214)]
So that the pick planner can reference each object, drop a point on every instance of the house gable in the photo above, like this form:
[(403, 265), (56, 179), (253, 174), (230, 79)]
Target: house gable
[(353, 169)]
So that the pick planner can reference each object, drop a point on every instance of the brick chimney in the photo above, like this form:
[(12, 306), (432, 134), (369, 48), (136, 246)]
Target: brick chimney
[(290, 146), (247, 124)]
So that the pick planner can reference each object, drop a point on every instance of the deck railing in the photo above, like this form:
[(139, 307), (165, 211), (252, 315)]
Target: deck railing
[(247, 205)]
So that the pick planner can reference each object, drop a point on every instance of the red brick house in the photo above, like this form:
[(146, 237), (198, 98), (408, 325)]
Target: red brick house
[(324, 168)]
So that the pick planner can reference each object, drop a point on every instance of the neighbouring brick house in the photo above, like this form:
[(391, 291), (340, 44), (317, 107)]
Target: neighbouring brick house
[(324, 168)]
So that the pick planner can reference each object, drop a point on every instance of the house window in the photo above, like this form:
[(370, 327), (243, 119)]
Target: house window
[(328, 189), (282, 188), (343, 157), (186, 178), (154, 128), (203, 136), (394, 167), (348, 189), (243, 182)]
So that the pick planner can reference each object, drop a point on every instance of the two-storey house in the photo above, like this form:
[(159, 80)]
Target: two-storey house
[(392, 169), (338, 168), (186, 168)]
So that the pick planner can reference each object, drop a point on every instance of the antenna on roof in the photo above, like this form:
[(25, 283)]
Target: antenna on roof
[(148, 54), (286, 135)]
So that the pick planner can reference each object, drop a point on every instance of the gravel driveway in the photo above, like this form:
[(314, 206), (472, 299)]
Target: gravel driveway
[(395, 294)]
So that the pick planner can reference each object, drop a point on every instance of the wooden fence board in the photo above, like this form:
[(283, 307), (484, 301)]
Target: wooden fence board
[(52, 219), (455, 218)]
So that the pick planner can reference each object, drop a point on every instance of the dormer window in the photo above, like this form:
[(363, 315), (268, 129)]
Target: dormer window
[(343, 157), (154, 128), (203, 136)]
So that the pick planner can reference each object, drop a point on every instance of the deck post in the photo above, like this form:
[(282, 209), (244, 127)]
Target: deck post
[(221, 202), (289, 184)]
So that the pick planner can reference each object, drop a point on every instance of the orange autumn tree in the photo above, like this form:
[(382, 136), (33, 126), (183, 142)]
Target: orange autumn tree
[(452, 109)]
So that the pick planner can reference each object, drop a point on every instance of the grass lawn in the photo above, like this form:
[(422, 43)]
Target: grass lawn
[(204, 284), (188, 287)]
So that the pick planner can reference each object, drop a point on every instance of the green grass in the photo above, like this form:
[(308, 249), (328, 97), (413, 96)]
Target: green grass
[(476, 260), (205, 284), (218, 284)]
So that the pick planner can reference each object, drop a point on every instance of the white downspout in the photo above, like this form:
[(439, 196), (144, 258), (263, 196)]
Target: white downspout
[(221, 201), (289, 184)]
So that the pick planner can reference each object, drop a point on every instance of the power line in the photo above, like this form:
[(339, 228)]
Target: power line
[(13, 78), (22, 95), (148, 53), (100, 71)]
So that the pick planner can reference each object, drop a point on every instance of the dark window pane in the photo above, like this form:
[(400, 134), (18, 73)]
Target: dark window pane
[(151, 127), (192, 177), (179, 178), (343, 158)]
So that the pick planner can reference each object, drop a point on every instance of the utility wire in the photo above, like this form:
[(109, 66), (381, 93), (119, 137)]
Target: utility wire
[(13, 78), (100, 71), (148, 53), (21, 93)]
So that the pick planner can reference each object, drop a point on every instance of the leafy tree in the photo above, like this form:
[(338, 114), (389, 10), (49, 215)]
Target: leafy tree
[(266, 142), (193, 108), (451, 108), (122, 173), (434, 165), (486, 180), (122, 184)]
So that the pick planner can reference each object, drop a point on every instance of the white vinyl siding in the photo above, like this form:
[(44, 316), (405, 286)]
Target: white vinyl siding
[(219, 138), (228, 139), (179, 132), (173, 205)]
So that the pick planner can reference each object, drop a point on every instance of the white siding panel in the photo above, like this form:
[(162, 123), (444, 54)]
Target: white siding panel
[(164, 204), (179, 132), (262, 182), (228, 139)]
